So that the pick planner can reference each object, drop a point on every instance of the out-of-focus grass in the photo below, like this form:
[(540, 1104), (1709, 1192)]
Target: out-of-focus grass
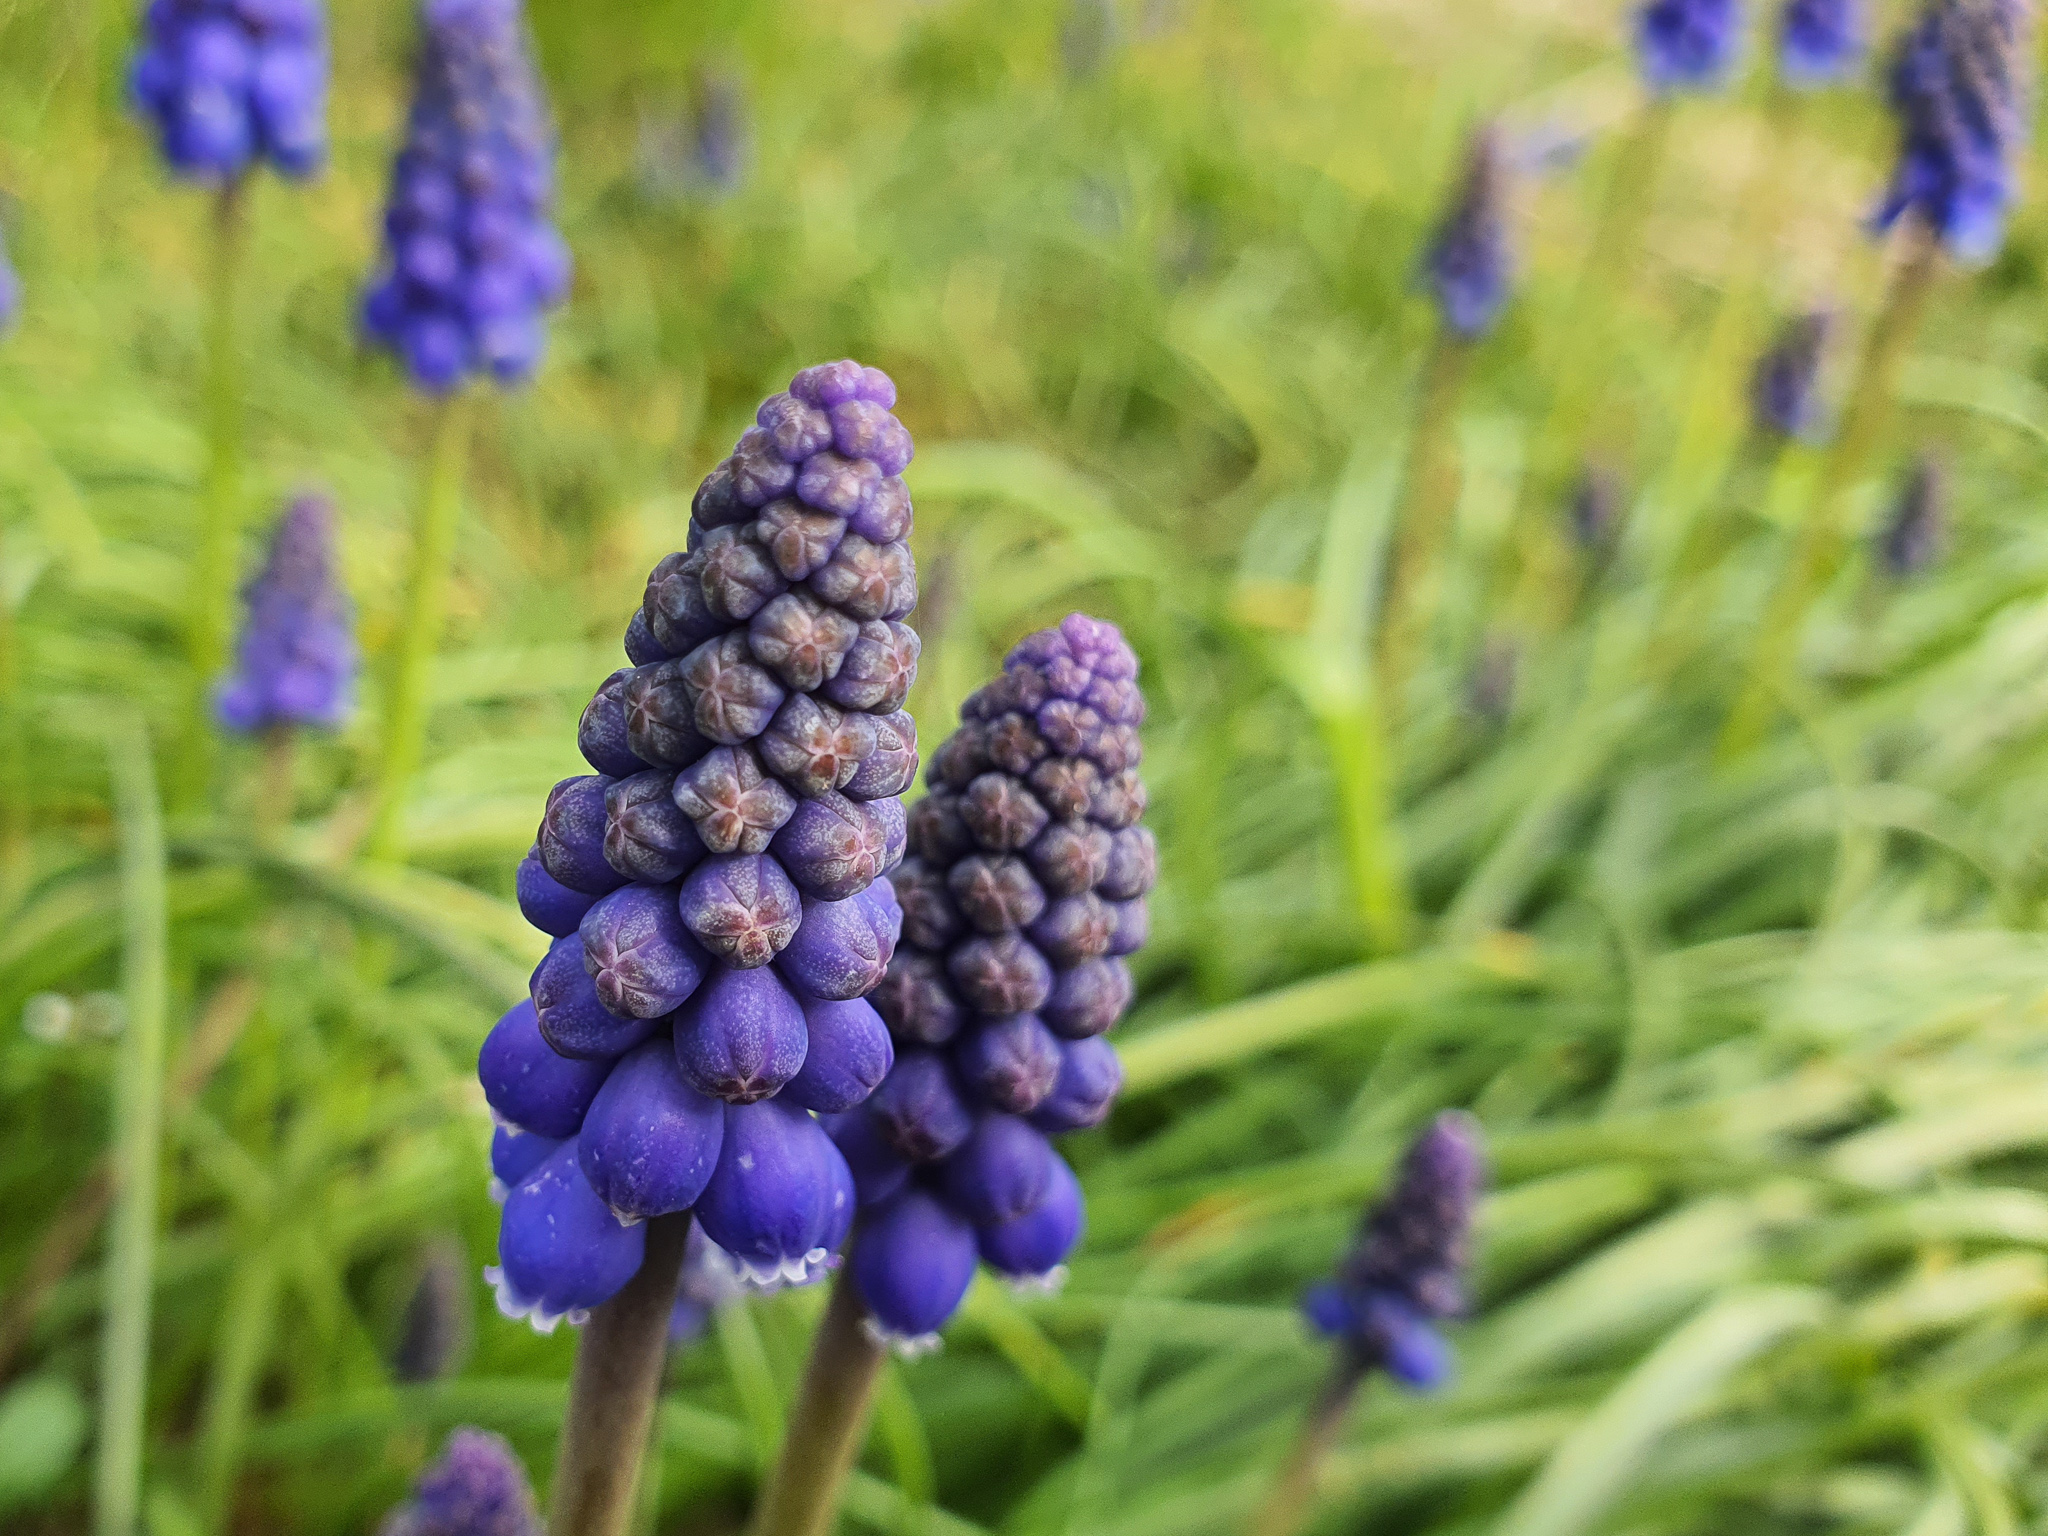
[(1758, 1045)]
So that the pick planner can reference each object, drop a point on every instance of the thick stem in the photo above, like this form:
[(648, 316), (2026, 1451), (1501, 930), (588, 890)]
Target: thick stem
[(827, 1425), (214, 565), (419, 636), (1292, 1498), (612, 1394), (138, 1125), (1822, 540)]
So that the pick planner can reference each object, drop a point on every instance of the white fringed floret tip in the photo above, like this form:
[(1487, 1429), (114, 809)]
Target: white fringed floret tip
[(516, 1307), (1051, 1283), (905, 1346), (499, 1190), (773, 1277)]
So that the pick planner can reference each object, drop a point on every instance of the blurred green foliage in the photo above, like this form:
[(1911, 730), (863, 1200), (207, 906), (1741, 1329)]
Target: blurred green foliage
[(1759, 1044)]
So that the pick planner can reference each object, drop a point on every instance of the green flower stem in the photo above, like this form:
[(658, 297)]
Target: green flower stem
[(827, 1424), (419, 636), (138, 1126), (215, 566), (1822, 540), (1292, 1497), (1422, 524), (612, 1393)]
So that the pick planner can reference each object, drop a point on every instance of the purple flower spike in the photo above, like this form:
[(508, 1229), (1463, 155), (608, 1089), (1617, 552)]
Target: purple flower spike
[(296, 661), (1688, 45), (650, 1140), (641, 958), (560, 1249), (515, 1154), (1784, 390), (782, 1197), (572, 1018), (646, 838), (1406, 1270), (842, 948), (1002, 1171), (913, 1265), (227, 85), (1090, 1078), (1011, 1063), (529, 1083), (1912, 538), (1032, 1249), (742, 1036), (477, 1488), (547, 903), (471, 262), (917, 1111), (741, 907), (1470, 264), (1820, 42), (572, 836), (849, 1054)]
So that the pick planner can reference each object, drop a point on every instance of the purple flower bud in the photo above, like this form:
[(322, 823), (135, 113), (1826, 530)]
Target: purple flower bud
[(1010, 1063), (1090, 1077), (1820, 41), (849, 1054), (1088, 999), (646, 835), (917, 1111), (878, 669), (891, 767), (913, 1264), (801, 641), (1132, 926), (642, 649), (814, 748), (650, 1140), (529, 1083), (641, 958), (741, 907), (677, 618), (225, 87), (736, 806), (917, 1000), (842, 948), (1074, 929), (547, 903), (732, 699), (1002, 1171), (515, 1154), (571, 1017), (1004, 975), (878, 1169), (560, 1249), (885, 513), (834, 847), (296, 660), (742, 1036), (781, 1199), (601, 734), (477, 1488), (571, 837), (1133, 864), (661, 716), (1033, 1247), (994, 892)]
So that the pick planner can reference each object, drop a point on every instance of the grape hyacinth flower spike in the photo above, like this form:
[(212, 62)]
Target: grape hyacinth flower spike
[(1962, 89), (477, 1488), (296, 661), (1403, 1276), (1912, 538), (714, 889), (1022, 900), (228, 85), (1784, 391), (1820, 42), (1470, 263), (1688, 45), (471, 265)]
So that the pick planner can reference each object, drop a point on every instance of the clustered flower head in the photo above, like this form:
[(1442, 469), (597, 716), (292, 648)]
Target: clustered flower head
[(1912, 538), (296, 661), (1470, 263), (477, 1488), (1025, 891), (229, 83), (1820, 41), (1688, 44), (714, 886), (1784, 391), (1962, 87), (1406, 1271), (472, 261)]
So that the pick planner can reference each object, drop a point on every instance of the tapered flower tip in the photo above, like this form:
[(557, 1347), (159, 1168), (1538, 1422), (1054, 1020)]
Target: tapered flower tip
[(571, 839), (1962, 87), (1383, 1331), (918, 1110), (560, 1249), (1470, 264), (547, 903), (295, 661), (849, 1055), (1820, 41), (741, 907), (477, 1488), (572, 1019), (531, 1085), (641, 959), (781, 1199), (1688, 44), (842, 949), (1784, 391), (913, 1264), (1089, 1080), (1032, 1249), (515, 1154), (878, 1169), (741, 1036), (1913, 536), (1002, 1171), (650, 1140)]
